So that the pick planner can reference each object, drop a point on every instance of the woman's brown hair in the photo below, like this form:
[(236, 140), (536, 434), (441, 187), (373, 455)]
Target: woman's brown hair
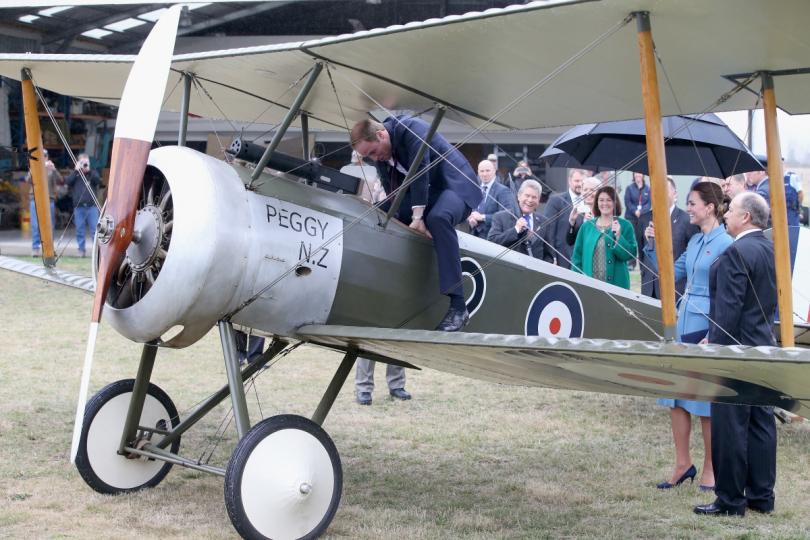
[(617, 205), (712, 193)]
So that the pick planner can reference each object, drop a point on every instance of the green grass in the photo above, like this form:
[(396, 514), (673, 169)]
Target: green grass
[(462, 459)]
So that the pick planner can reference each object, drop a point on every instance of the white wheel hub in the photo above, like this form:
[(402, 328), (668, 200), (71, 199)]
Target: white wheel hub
[(287, 484), (104, 436)]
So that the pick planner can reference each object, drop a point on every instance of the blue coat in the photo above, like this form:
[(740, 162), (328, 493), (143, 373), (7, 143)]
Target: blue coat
[(453, 172), (693, 308), (682, 231), (694, 265), (499, 197)]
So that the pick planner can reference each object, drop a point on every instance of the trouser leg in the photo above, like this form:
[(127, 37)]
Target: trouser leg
[(92, 221), (364, 375), (80, 217), (395, 375), (761, 459), (448, 210), (36, 240), (255, 347), (730, 453)]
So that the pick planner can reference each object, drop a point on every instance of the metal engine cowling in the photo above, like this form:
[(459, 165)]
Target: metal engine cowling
[(186, 266)]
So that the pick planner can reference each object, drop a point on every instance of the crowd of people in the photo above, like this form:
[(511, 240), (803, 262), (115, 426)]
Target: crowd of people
[(724, 271)]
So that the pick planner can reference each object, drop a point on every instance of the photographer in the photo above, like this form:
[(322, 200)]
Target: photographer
[(85, 212)]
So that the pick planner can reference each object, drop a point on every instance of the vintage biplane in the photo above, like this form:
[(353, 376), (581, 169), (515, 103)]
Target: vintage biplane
[(188, 242)]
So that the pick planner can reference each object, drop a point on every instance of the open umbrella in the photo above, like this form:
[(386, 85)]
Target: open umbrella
[(700, 145)]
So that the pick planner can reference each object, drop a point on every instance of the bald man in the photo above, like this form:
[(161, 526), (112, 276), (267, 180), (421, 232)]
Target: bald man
[(496, 198)]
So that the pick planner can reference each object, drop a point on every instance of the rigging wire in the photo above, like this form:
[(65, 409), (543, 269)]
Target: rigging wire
[(348, 130)]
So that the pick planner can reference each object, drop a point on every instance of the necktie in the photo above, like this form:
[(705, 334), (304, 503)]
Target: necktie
[(528, 220), (484, 189)]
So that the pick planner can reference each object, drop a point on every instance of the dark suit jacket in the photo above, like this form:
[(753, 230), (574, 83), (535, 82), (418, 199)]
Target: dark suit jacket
[(742, 287), (556, 214), (453, 172), (499, 197), (682, 231), (503, 232)]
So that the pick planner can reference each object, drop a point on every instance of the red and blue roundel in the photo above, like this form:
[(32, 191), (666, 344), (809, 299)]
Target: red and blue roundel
[(555, 311), (472, 270)]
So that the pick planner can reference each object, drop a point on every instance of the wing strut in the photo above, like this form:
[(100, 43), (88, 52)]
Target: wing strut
[(658, 173), (183, 131), (36, 164), (781, 246), (417, 160), (288, 118)]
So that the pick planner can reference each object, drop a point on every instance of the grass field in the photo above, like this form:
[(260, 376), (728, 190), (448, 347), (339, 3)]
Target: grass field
[(463, 459)]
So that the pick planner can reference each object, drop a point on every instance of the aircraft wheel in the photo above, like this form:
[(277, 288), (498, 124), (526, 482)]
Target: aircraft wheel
[(284, 480), (97, 458)]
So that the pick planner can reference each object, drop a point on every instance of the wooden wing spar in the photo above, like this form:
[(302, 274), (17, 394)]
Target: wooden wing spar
[(703, 47)]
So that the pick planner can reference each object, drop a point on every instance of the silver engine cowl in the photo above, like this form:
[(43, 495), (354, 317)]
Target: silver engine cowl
[(185, 270), (203, 246)]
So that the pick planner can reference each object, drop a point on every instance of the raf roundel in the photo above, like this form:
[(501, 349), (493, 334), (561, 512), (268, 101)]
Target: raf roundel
[(555, 311), (472, 270)]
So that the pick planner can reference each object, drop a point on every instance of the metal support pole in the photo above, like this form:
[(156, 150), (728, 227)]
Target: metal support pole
[(288, 118), (152, 452), (181, 136), (334, 387), (206, 406), (657, 160), (136, 402), (305, 135), (237, 390), (411, 176), (781, 245)]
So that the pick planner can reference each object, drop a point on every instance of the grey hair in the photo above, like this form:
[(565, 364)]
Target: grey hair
[(532, 184), (757, 208)]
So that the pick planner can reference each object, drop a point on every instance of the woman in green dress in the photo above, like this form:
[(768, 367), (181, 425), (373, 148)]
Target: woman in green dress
[(606, 243)]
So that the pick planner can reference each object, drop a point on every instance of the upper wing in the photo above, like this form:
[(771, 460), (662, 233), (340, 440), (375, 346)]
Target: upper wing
[(53, 275), (480, 64), (760, 375)]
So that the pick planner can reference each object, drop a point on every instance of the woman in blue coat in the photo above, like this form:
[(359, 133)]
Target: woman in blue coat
[(705, 208)]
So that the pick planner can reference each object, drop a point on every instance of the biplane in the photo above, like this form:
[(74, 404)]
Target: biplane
[(282, 247)]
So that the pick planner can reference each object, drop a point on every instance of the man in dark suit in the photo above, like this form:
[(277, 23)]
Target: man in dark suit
[(682, 231), (742, 286), (442, 195), (519, 231), (556, 215), (496, 197)]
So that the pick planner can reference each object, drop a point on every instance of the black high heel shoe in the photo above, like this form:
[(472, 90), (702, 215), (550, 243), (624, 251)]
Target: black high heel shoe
[(690, 474)]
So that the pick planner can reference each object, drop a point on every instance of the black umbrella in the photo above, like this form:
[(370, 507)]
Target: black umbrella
[(700, 145)]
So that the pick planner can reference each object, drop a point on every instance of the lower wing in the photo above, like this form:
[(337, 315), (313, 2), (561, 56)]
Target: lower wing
[(53, 275), (733, 374)]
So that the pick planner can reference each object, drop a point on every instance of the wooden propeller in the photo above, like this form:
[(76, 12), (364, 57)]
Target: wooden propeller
[(134, 130)]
